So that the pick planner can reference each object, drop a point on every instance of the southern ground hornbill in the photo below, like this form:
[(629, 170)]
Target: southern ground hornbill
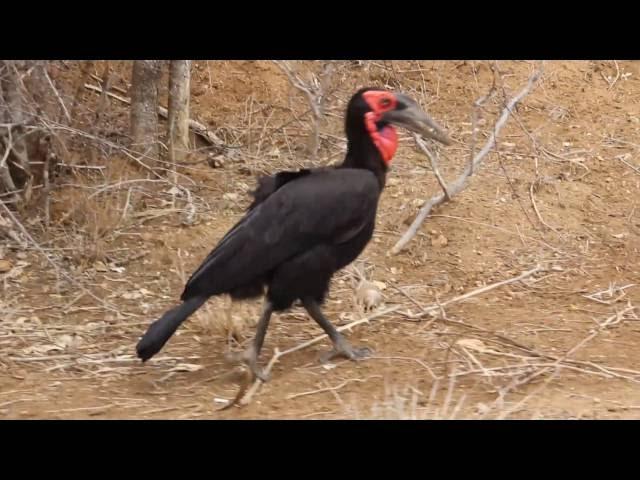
[(302, 227)]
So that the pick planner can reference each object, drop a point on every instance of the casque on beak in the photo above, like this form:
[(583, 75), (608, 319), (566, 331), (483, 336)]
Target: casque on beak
[(409, 115)]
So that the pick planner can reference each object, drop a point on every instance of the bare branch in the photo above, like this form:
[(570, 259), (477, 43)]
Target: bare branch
[(197, 127), (315, 95), (434, 165), (460, 183), (478, 291), (57, 94)]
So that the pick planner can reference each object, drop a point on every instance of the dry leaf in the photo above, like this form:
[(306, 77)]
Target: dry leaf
[(473, 344), (100, 267), (5, 266)]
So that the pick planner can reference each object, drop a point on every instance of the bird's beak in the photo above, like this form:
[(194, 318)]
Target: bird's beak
[(409, 115)]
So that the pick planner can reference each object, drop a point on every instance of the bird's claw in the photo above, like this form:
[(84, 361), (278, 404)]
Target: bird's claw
[(249, 358), (343, 349)]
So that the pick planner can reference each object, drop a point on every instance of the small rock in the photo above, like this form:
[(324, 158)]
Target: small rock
[(100, 267), (439, 241)]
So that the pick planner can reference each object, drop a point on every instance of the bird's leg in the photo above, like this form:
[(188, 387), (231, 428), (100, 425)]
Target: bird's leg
[(250, 355), (341, 346), (229, 320)]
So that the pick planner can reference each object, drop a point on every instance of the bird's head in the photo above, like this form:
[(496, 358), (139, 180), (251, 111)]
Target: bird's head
[(379, 110)]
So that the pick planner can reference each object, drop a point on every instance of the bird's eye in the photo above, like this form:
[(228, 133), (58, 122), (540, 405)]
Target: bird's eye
[(385, 102)]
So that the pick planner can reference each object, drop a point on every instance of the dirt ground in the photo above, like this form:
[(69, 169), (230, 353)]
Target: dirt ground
[(561, 191)]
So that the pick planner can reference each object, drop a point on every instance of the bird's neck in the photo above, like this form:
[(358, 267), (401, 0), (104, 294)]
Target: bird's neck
[(363, 153)]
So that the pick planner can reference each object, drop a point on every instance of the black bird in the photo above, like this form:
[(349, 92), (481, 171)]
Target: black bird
[(302, 227)]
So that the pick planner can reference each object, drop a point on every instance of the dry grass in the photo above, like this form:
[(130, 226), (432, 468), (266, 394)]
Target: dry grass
[(129, 237)]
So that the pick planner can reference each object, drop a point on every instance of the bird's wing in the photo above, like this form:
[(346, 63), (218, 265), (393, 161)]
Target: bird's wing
[(324, 207), (267, 185)]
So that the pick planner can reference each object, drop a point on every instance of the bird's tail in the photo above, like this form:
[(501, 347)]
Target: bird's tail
[(162, 329)]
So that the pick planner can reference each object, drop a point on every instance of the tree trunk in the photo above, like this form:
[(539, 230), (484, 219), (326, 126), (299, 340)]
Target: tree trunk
[(179, 90), (144, 107), (15, 140), (29, 101)]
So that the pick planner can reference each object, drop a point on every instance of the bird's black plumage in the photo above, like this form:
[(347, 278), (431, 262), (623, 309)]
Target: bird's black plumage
[(317, 214), (301, 228)]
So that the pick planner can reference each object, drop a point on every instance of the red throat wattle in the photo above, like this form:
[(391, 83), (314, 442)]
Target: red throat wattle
[(385, 140)]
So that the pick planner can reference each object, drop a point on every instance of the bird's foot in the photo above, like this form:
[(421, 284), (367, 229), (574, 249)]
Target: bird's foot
[(342, 348), (250, 358)]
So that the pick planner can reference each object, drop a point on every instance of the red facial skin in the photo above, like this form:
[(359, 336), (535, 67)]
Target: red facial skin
[(385, 140)]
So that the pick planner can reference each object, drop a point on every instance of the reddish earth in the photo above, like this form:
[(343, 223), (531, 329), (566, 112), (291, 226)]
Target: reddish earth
[(572, 150)]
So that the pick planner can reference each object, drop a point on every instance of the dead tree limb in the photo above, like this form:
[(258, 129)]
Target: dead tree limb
[(315, 93), (197, 127), (460, 183), (57, 95)]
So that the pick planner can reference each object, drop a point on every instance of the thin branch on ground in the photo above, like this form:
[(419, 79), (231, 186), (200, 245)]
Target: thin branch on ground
[(332, 389), (430, 309)]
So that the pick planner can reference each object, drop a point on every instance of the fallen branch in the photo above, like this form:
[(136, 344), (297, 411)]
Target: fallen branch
[(535, 206), (459, 184), (558, 364), (332, 389), (197, 127), (632, 167), (473, 293)]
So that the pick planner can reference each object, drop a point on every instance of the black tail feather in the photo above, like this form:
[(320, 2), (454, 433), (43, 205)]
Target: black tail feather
[(160, 331)]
